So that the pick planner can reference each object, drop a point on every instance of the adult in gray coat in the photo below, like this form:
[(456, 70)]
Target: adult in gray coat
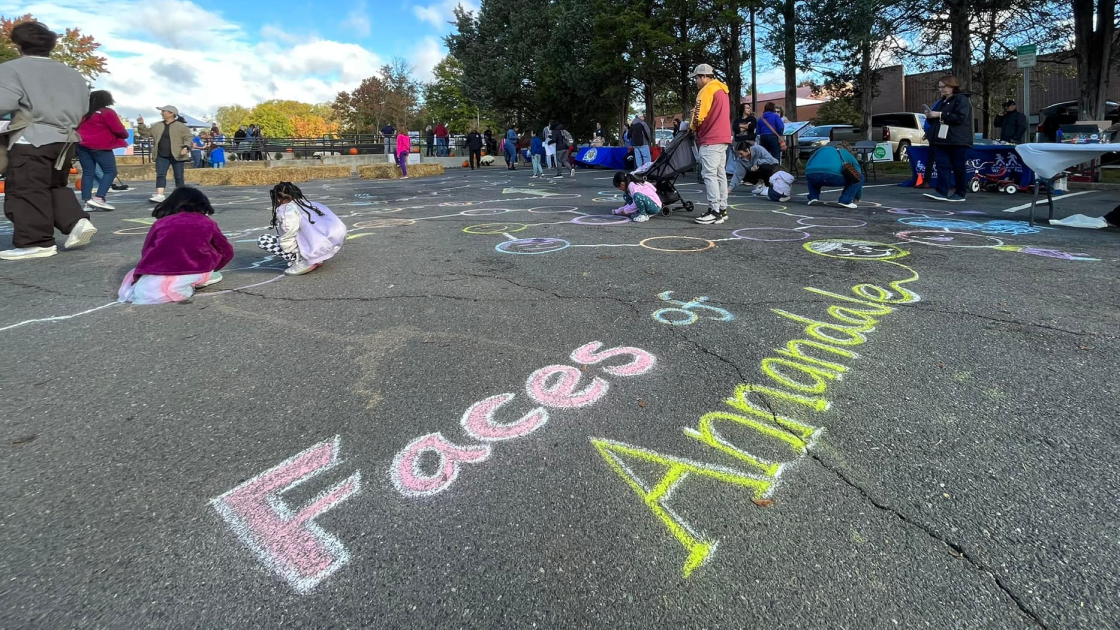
[(172, 141), (47, 100), (950, 136)]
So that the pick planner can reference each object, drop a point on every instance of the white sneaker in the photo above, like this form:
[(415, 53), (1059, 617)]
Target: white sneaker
[(757, 190), (299, 267), (28, 252), (99, 203), (763, 192), (81, 234), (215, 278), (641, 218), (815, 202), (783, 199), (708, 218), (404, 177), (157, 198), (850, 206)]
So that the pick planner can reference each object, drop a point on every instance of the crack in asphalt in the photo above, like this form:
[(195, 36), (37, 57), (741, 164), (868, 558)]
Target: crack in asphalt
[(24, 285), (956, 550)]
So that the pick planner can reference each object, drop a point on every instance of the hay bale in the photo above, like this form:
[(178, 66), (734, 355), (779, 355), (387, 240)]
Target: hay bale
[(264, 177), (390, 171)]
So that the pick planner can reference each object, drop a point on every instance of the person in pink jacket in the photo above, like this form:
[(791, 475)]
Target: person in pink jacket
[(404, 147), (101, 131)]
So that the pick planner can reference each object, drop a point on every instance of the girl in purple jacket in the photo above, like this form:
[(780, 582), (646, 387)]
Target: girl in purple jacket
[(183, 251)]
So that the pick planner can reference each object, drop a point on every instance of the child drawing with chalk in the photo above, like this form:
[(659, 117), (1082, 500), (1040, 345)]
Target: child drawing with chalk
[(183, 251), (307, 232), (640, 196)]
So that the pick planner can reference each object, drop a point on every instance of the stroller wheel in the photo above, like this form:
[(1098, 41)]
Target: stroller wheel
[(688, 207), (665, 211)]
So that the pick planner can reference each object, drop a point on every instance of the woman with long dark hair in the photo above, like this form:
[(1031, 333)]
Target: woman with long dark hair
[(950, 137), (101, 131)]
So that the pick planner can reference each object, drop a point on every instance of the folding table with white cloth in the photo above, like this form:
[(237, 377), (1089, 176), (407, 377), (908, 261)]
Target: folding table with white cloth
[(1050, 160)]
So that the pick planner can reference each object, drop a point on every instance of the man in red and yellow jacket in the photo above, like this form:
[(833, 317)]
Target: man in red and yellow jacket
[(711, 122)]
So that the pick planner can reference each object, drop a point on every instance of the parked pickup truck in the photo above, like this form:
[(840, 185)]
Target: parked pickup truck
[(903, 130)]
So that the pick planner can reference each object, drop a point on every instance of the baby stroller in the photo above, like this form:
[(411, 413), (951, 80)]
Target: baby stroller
[(679, 156)]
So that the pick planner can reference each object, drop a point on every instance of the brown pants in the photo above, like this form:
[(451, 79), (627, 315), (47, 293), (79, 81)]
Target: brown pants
[(36, 197)]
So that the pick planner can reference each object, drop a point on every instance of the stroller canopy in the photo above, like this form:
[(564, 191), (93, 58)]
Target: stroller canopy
[(678, 157)]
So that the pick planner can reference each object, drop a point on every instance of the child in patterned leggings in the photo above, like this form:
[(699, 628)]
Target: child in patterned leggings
[(641, 197), (308, 233)]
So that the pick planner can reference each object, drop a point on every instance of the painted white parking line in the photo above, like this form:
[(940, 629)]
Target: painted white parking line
[(1043, 201)]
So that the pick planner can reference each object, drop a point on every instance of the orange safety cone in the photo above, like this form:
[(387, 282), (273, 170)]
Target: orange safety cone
[(919, 182)]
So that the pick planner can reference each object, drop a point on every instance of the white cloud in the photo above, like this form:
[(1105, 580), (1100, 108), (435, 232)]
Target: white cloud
[(358, 20), (441, 13), (424, 58), (174, 52)]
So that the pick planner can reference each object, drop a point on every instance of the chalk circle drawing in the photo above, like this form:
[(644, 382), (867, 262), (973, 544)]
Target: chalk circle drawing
[(460, 204), (920, 212), (532, 246), (1046, 253), (759, 207), (1001, 227), (831, 222), (481, 212), (600, 219), (553, 209), (947, 238), (495, 228), (287, 541), (851, 248), (382, 223), (684, 314), (677, 244), (770, 235), (607, 200), (357, 203), (133, 231)]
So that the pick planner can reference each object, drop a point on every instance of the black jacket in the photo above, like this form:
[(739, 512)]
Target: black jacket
[(474, 141), (1012, 126), (639, 137), (956, 113)]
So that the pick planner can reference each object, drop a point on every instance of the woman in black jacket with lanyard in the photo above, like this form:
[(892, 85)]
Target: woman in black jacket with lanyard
[(950, 137)]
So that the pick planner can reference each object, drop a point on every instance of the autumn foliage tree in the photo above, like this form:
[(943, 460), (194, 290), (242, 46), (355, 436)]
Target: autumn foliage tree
[(74, 49), (281, 118)]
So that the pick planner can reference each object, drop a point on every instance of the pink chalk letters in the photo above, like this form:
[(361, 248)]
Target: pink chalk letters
[(554, 386), (292, 545), (290, 542)]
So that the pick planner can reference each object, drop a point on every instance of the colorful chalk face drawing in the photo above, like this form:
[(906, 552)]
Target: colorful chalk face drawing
[(532, 246), (553, 387), (799, 377), (968, 234), (288, 541), (852, 248), (685, 313)]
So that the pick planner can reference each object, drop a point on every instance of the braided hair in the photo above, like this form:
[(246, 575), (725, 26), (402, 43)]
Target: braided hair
[(288, 190)]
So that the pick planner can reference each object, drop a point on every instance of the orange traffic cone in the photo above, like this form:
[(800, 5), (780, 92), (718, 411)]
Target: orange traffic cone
[(919, 182)]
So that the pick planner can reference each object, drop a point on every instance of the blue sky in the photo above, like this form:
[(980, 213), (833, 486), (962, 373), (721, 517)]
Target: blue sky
[(201, 54)]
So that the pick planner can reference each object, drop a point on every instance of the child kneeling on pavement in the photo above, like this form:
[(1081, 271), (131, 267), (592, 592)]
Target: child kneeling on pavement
[(308, 233), (640, 196), (183, 251), (780, 188)]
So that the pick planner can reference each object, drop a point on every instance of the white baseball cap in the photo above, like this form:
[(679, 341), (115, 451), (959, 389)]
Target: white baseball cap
[(703, 69)]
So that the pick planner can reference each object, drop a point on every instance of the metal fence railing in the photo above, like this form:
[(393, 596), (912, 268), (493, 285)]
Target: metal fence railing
[(351, 144)]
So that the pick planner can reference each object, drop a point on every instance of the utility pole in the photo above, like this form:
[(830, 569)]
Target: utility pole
[(754, 69)]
